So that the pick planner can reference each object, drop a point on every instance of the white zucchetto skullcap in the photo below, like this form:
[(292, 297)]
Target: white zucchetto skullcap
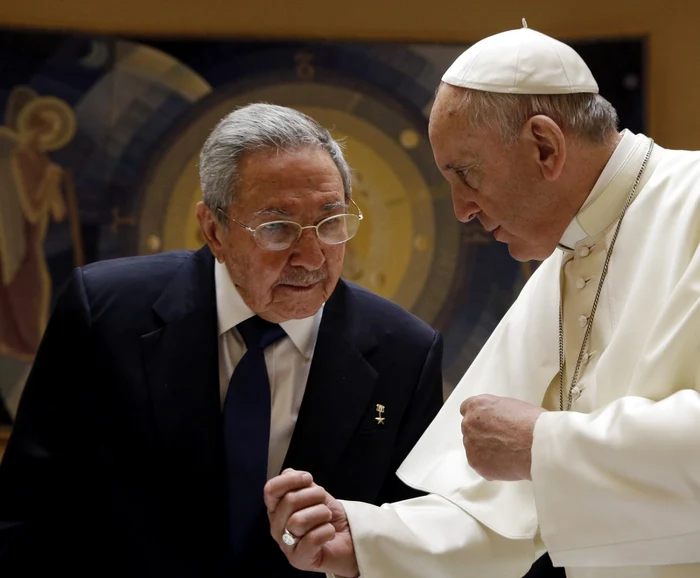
[(521, 61)]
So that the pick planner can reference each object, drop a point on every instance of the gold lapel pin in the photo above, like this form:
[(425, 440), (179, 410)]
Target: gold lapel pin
[(380, 417)]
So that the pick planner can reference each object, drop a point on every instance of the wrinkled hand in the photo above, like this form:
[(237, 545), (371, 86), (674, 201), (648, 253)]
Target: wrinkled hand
[(317, 519), (497, 436)]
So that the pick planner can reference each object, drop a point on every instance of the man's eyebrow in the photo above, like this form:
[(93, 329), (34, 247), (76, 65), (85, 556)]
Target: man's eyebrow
[(468, 164), (272, 211), (335, 205), (277, 212)]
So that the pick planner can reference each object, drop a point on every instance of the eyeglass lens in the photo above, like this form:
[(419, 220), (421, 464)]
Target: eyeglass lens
[(279, 235)]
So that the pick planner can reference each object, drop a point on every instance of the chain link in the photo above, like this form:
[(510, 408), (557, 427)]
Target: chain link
[(589, 325)]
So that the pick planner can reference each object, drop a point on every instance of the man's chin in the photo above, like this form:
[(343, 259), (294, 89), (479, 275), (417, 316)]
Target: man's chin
[(520, 251), (524, 254)]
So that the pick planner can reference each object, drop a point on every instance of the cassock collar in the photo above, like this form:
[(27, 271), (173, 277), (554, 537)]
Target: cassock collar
[(607, 198), (232, 310)]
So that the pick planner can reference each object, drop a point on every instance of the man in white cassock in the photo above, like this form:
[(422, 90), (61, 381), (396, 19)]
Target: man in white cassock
[(581, 415)]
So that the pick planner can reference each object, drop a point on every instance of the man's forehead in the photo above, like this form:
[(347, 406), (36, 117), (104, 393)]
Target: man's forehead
[(284, 201), (288, 174), (449, 101), (453, 144), (289, 208), (448, 120)]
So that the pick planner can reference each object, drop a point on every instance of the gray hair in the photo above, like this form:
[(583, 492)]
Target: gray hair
[(259, 127), (589, 117)]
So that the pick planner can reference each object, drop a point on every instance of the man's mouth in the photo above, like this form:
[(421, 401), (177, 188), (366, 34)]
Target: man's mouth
[(302, 280), (300, 285)]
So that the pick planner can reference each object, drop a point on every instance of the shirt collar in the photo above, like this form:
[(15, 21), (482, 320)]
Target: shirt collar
[(575, 232), (232, 310)]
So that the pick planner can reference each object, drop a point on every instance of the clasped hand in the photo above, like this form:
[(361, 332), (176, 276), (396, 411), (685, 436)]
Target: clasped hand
[(497, 433), (295, 504)]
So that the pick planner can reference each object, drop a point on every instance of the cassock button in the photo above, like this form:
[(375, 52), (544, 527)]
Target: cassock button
[(575, 393), (584, 252), (580, 283), (583, 321)]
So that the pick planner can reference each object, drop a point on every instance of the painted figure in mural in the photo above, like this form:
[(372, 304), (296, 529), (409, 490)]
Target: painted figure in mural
[(32, 191), (30, 195)]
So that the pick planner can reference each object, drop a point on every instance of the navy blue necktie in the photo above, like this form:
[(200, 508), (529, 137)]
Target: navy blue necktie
[(247, 411)]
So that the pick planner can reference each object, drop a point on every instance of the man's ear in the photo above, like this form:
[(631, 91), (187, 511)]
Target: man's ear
[(548, 145), (211, 230)]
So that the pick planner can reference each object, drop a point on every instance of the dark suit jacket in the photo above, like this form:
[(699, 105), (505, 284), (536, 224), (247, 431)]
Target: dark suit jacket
[(115, 465)]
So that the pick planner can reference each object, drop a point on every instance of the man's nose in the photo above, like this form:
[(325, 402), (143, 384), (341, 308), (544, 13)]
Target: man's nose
[(465, 209), (307, 251)]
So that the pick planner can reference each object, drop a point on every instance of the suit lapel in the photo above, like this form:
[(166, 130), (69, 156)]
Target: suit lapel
[(181, 362), (338, 390)]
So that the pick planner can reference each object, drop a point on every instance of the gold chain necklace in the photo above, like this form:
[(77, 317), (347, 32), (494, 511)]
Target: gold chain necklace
[(589, 325)]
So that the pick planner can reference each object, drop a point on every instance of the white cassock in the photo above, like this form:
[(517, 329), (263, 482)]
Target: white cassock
[(615, 488)]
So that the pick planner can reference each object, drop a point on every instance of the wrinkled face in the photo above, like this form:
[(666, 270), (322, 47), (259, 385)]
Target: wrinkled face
[(302, 186), (501, 186)]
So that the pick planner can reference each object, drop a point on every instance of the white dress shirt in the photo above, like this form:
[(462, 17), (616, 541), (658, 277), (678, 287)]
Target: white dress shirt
[(288, 362), (585, 243), (575, 232)]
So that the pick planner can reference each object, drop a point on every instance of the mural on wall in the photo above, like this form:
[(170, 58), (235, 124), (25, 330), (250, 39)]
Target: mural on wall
[(98, 160), (33, 191)]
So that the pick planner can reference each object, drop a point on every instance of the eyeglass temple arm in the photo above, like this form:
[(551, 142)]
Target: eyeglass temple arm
[(360, 216), (246, 227)]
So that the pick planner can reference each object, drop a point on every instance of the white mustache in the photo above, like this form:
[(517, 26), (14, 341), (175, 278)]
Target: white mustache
[(303, 277)]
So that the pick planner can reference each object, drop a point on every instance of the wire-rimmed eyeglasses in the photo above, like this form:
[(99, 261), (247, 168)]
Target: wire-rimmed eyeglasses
[(280, 235)]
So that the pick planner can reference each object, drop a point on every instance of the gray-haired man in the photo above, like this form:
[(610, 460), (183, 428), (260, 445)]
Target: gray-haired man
[(169, 388)]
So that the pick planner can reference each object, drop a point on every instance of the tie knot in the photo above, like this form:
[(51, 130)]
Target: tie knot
[(258, 333)]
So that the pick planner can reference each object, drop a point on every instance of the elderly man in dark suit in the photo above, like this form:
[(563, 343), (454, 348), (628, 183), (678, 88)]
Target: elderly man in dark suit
[(168, 389)]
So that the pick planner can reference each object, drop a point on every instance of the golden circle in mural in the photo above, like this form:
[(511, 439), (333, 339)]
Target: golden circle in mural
[(409, 138), (421, 243), (50, 117), (154, 243)]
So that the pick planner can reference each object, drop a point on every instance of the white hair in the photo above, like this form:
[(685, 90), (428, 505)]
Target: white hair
[(259, 127), (589, 117)]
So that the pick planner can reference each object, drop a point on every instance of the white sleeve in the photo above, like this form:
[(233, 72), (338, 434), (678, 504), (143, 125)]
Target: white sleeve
[(430, 536), (620, 487)]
